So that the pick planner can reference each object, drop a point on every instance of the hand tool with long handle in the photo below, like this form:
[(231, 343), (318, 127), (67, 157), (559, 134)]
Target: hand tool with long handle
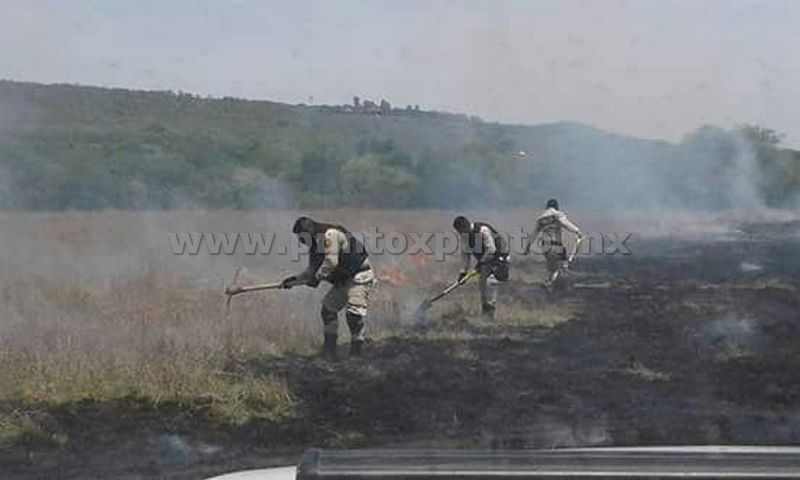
[(234, 289), (550, 281), (427, 303)]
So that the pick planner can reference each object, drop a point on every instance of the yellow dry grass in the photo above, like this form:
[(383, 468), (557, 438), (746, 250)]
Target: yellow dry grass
[(95, 306)]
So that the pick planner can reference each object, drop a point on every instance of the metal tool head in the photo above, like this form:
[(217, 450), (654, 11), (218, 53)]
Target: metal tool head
[(232, 289)]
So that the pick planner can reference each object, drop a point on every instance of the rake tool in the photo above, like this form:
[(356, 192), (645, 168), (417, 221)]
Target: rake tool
[(426, 305), (234, 289), (575, 250)]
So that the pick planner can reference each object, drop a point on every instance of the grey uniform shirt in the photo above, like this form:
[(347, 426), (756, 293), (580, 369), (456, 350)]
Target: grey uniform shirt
[(551, 223), (488, 247)]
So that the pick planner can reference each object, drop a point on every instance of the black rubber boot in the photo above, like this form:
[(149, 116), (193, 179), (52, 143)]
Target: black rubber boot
[(356, 346), (329, 347), (488, 311), (356, 324), (329, 319)]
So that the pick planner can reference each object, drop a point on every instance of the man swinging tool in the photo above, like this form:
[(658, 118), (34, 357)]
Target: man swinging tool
[(338, 257), (549, 225), (490, 250)]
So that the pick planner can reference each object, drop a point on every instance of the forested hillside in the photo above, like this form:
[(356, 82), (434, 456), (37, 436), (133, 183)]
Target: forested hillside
[(74, 147)]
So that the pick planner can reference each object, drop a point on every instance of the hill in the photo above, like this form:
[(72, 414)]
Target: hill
[(78, 147)]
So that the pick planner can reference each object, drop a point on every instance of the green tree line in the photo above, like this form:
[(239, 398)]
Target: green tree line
[(72, 147)]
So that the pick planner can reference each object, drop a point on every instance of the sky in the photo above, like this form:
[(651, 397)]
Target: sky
[(651, 69)]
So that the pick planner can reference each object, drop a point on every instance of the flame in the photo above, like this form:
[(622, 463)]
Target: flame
[(419, 259), (393, 276)]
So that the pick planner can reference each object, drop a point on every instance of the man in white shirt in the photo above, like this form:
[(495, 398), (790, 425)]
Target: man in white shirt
[(550, 225)]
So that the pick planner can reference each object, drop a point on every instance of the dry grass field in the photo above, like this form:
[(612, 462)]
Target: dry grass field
[(96, 307), (111, 345)]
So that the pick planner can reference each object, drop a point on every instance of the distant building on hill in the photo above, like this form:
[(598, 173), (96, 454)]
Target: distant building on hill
[(386, 108), (368, 107)]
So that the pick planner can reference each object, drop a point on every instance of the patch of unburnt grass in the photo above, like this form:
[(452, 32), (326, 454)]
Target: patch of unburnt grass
[(29, 428), (51, 384), (642, 372), (460, 317)]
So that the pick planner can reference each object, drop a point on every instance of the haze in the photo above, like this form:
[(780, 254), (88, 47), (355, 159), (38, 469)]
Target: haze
[(653, 69)]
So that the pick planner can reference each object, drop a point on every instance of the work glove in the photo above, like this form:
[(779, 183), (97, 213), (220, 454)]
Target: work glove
[(289, 282), (461, 275), (313, 282)]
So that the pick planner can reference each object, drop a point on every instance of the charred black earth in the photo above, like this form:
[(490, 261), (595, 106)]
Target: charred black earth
[(681, 342)]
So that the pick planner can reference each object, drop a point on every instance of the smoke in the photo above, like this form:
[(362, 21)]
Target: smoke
[(743, 177), (258, 190), (732, 332), (723, 168), (591, 170)]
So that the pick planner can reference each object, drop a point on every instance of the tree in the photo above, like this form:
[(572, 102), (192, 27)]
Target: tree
[(372, 180)]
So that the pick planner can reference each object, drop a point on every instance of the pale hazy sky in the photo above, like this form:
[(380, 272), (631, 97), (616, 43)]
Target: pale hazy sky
[(653, 69)]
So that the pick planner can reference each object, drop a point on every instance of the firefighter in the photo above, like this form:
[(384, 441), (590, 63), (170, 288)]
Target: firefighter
[(550, 224), (338, 257), (490, 250)]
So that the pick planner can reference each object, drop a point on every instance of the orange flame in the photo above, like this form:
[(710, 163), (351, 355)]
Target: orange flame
[(393, 276), (419, 259)]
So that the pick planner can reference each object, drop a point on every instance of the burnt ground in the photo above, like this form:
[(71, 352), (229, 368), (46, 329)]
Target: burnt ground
[(679, 343)]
